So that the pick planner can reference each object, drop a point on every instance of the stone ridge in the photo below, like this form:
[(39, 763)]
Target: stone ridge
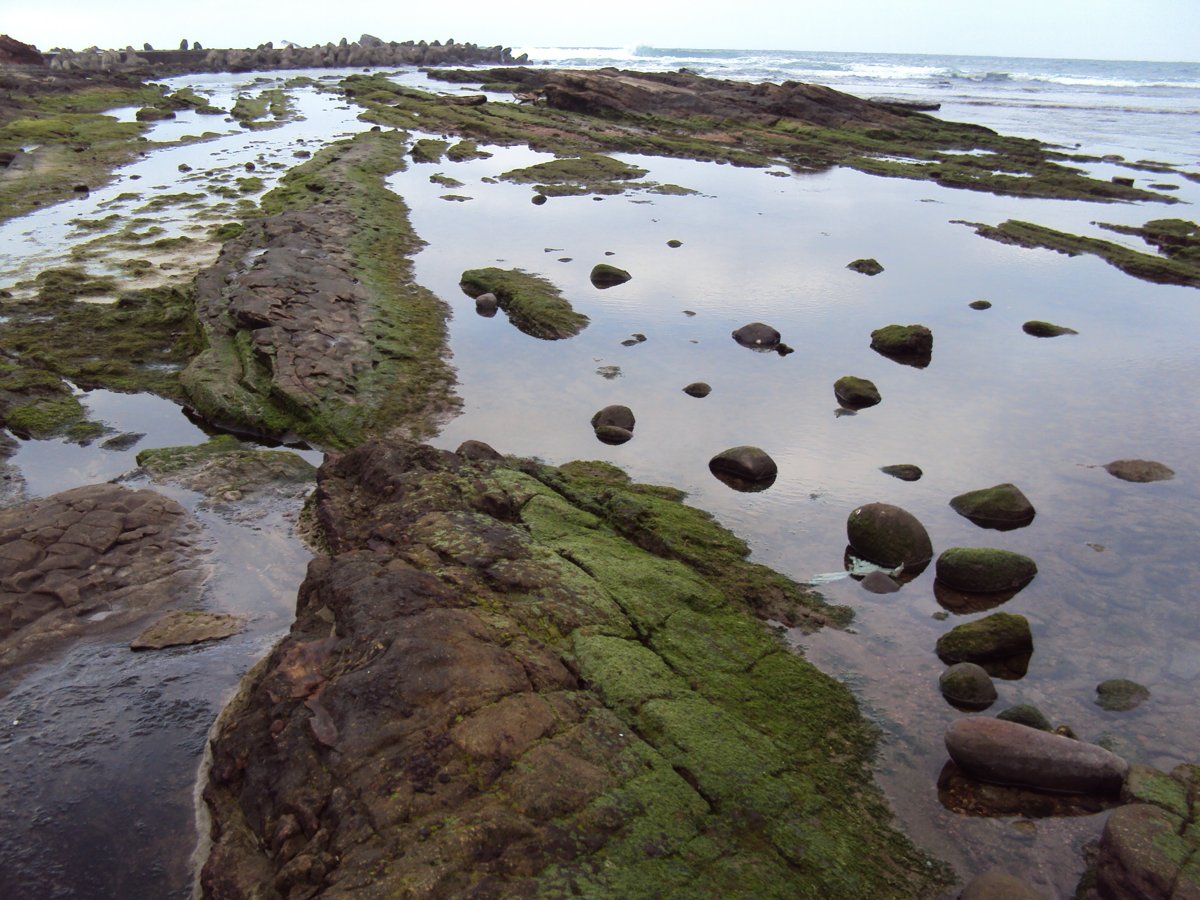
[(489, 691)]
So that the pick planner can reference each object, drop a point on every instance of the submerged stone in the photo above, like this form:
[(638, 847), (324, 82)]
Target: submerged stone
[(911, 345), (968, 685), (855, 393), (1002, 507), (698, 389), (1026, 714), (1000, 636), (888, 536), (983, 570), (1139, 470), (605, 276), (1041, 329), (865, 266), (903, 471), (757, 336), (613, 434), (744, 468), (1120, 695), (878, 582)]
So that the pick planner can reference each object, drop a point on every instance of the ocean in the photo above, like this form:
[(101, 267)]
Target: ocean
[(1135, 109)]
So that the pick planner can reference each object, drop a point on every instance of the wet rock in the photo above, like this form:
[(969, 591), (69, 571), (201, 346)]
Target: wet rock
[(1139, 470), (461, 701), (1145, 784), (1002, 507), (888, 536), (865, 266), (533, 304), (1145, 851), (1007, 753), (674, 243), (1000, 636), (980, 304), (982, 570), (968, 686), (698, 389), (903, 471), (620, 416), (1026, 714), (1046, 329), (878, 582), (183, 628), (486, 304), (911, 345), (998, 885), (121, 442), (1120, 695), (757, 336), (478, 450), (744, 468), (855, 393), (224, 470), (538, 199), (963, 794), (95, 554), (605, 276), (613, 434)]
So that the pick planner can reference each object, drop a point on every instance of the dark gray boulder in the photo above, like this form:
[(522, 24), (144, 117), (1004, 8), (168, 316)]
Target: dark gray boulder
[(620, 416), (478, 450), (744, 468), (968, 686), (698, 389), (855, 393), (1001, 506), (606, 276), (888, 536), (865, 266), (613, 434), (983, 570), (903, 471), (1007, 753), (878, 582), (486, 304), (757, 336)]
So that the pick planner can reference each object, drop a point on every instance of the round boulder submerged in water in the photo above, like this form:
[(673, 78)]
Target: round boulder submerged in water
[(486, 304), (698, 389), (614, 424), (1120, 694), (888, 536), (744, 468), (968, 685), (995, 637), (982, 570), (1139, 470), (757, 336), (908, 344)]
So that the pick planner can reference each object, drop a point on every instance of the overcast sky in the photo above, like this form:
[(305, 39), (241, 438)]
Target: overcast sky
[(1087, 29)]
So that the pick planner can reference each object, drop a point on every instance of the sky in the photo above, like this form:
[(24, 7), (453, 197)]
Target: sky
[(1166, 30)]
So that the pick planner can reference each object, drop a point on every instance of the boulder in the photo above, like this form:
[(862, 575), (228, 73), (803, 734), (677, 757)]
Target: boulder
[(980, 304), (478, 450), (982, 570), (1000, 636), (744, 468), (1139, 470), (888, 536), (757, 336), (1026, 714), (1002, 507), (1145, 851), (486, 304), (865, 266), (911, 345), (968, 686), (855, 393), (698, 389), (613, 434), (620, 416), (878, 582), (1046, 329), (998, 885), (1120, 694), (903, 471), (1007, 753), (605, 276)]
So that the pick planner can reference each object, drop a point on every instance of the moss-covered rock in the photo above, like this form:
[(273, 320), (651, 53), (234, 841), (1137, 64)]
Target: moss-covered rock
[(1120, 694), (533, 304), (1026, 714), (968, 685), (605, 276), (853, 392), (983, 570), (911, 345), (995, 637), (865, 266), (1139, 470), (1002, 506), (1038, 328), (890, 536)]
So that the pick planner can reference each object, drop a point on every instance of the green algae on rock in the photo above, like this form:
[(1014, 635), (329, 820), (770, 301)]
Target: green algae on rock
[(984, 570), (270, 326), (532, 303), (995, 637), (223, 468), (529, 688)]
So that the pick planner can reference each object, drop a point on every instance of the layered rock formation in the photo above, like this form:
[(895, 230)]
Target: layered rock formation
[(508, 679)]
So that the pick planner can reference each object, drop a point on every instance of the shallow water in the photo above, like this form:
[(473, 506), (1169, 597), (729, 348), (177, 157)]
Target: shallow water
[(995, 405)]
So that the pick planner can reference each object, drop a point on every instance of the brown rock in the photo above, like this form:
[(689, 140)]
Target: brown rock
[(181, 628)]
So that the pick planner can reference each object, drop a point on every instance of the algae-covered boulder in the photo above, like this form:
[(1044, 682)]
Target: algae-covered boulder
[(968, 685), (1139, 470), (1038, 328), (911, 345), (1026, 714), (509, 679), (999, 636), (1001, 506), (533, 304), (889, 536), (605, 276), (853, 392), (1145, 851), (983, 570), (1120, 694)]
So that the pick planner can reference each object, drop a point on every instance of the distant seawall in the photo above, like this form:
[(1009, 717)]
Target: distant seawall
[(366, 51)]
